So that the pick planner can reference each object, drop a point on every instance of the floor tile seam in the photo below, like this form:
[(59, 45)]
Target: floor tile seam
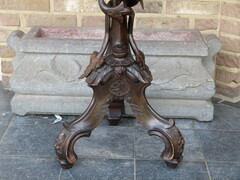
[(32, 124), (5, 131), (134, 154), (60, 174), (26, 156), (103, 157), (227, 105), (201, 147), (72, 178), (8, 119), (178, 128), (187, 161), (109, 158), (219, 130), (80, 157), (236, 162)]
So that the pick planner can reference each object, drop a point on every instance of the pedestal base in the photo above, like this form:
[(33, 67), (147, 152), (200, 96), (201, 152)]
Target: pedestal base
[(109, 97)]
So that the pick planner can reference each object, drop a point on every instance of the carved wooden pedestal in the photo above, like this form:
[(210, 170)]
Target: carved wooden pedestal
[(115, 76)]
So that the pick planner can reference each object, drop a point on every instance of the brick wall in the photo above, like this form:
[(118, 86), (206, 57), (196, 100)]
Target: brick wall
[(228, 60), (220, 17)]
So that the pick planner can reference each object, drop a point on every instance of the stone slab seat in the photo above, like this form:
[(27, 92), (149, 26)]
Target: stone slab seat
[(49, 61)]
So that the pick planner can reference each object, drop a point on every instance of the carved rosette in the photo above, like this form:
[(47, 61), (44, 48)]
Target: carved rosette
[(119, 88)]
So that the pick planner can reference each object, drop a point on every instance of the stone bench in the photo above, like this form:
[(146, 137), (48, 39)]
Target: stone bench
[(49, 61)]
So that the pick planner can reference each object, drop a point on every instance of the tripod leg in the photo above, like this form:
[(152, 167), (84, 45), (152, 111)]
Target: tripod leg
[(81, 127), (156, 125)]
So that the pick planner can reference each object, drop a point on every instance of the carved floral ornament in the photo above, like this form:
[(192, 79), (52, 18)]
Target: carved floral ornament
[(116, 76)]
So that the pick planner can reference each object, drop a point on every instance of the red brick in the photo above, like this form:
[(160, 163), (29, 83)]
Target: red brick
[(51, 20), (4, 34), (231, 9), (230, 27), (206, 24), (227, 91), (31, 5), (231, 61), (230, 44), (7, 67), (159, 23), (6, 52), (227, 77), (192, 7), (9, 20), (93, 21)]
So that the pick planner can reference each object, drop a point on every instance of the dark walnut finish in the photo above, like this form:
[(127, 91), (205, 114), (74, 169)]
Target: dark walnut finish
[(115, 75)]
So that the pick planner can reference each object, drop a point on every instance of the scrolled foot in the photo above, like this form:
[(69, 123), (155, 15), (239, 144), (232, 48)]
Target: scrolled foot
[(64, 145), (174, 162), (174, 144), (64, 164)]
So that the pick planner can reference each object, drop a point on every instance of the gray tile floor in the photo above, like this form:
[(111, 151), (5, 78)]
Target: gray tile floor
[(125, 152)]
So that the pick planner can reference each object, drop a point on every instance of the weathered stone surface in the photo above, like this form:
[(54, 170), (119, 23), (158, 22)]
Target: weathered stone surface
[(192, 7), (231, 9), (152, 42), (230, 44), (162, 22), (214, 46), (52, 72), (51, 20), (230, 27), (30, 104), (206, 24), (196, 109), (180, 78), (232, 61), (31, 5), (9, 19), (7, 67)]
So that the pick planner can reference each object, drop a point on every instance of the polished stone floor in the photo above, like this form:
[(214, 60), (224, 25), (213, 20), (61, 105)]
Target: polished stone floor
[(124, 152)]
